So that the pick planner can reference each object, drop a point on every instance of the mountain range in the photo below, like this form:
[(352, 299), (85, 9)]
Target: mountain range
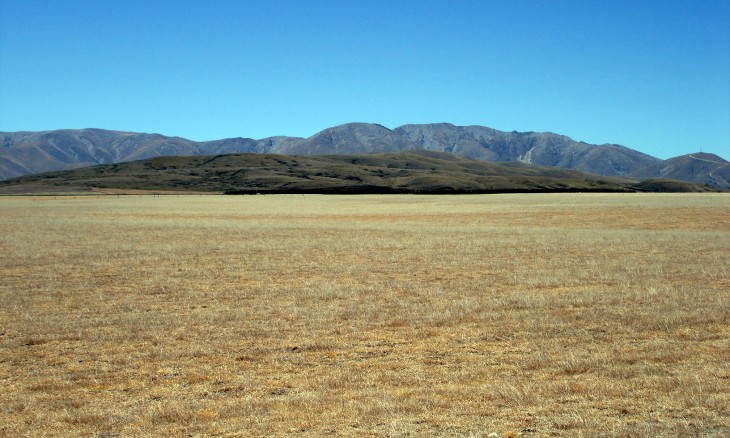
[(24, 153)]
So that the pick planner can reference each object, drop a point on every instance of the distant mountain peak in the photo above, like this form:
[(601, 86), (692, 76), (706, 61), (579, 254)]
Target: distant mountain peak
[(698, 167), (707, 156)]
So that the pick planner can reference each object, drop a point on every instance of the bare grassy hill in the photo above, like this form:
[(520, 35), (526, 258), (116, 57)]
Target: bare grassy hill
[(405, 172)]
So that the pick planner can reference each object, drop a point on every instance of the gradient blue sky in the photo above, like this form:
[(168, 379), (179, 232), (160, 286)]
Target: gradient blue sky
[(651, 75)]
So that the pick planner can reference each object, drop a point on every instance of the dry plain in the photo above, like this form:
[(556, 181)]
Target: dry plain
[(524, 315)]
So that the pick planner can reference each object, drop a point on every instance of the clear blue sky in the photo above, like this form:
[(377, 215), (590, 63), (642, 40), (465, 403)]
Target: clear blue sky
[(651, 75)]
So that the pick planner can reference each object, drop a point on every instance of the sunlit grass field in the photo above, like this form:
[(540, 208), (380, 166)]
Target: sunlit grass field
[(520, 315)]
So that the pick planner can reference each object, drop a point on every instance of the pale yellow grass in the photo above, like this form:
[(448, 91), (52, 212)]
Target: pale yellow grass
[(524, 315)]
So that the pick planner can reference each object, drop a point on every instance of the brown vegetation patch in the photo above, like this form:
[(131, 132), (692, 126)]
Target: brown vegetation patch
[(523, 315)]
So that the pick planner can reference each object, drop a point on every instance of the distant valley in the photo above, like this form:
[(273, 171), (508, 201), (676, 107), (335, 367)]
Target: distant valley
[(26, 153)]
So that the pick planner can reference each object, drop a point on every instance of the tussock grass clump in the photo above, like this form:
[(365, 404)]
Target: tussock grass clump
[(519, 315)]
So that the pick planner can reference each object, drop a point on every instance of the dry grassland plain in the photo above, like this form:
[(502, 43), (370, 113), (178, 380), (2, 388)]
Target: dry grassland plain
[(520, 315)]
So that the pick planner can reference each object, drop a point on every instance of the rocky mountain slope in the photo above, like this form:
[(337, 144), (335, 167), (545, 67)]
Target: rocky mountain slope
[(700, 167), (23, 153), (544, 148)]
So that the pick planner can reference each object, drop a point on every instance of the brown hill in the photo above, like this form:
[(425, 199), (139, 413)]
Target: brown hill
[(404, 172)]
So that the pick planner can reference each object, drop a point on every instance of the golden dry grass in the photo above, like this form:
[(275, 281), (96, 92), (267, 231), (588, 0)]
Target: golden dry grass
[(524, 315)]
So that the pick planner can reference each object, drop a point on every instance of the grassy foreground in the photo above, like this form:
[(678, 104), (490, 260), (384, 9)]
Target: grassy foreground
[(521, 315)]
